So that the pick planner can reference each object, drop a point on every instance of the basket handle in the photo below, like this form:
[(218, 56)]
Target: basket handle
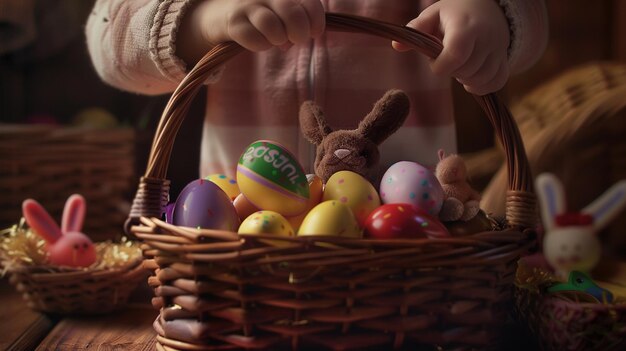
[(153, 191)]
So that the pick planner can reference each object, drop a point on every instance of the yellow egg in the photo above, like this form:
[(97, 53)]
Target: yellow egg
[(330, 218), (267, 222), (229, 185), (316, 189), (354, 191), (271, 178), (95, 117)]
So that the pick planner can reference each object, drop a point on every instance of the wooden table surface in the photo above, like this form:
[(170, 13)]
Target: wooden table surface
[(23, 329)]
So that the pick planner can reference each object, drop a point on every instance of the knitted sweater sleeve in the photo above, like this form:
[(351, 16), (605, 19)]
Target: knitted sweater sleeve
[(528, 21), (133, 44)]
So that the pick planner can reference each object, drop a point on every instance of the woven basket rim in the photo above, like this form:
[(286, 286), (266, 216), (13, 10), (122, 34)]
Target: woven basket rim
[(560, 300)]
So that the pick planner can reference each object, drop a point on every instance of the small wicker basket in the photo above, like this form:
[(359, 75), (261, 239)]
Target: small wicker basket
[(73, 291), (568, 321), (101, 288), (219, 290)]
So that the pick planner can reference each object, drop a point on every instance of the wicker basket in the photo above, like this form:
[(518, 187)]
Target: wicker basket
[(567, 321), (74, 291), (51, 163), (219, 290)]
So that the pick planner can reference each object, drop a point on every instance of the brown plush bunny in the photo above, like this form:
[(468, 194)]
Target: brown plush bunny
[(357, 149), (461, 202)]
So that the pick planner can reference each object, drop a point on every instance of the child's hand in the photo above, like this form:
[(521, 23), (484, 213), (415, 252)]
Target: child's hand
[(260, 24), (475, 37)]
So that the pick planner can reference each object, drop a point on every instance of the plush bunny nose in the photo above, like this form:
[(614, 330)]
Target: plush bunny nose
[(342, 153)]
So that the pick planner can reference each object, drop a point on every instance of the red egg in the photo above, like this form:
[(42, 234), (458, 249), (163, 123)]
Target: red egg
[(393, 221)]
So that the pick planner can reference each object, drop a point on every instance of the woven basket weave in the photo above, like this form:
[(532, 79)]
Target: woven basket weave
[(219, 290), (65, 291), (561, 323), (51, 163)]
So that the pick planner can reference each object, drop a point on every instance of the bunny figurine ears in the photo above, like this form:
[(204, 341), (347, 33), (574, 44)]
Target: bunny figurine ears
[(570, 241), (66, 246), (353, 150)]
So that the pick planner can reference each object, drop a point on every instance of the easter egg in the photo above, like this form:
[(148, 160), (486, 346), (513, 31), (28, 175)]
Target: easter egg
[(316, 189), (271, 178), (95, 117), (229, 185), (411, 183), (267, 222), (202, 204), (169, 212), (354, 191), (330, 218), (391, 221), (243, 207)]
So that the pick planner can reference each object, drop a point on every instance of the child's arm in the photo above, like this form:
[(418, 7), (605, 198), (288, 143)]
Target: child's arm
[(126, 43), (255, 24), (484, 40), (146, 46)]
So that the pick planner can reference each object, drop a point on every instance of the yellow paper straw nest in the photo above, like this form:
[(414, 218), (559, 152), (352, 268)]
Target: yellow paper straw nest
[(20, 245)]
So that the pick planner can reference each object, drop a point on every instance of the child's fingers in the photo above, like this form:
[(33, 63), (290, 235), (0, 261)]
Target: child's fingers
[(269, 25), (242, 31), (317, 16), (456, 51), (427, 22), (497, 81), (485, 74), (473, 65), (295, 20)]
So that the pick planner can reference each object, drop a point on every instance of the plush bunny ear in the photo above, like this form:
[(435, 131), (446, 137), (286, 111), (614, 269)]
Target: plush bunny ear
[(442, 154), (40, 221), (312, 123), (386, 117), (551, 198), (607, 206), (73, 214)]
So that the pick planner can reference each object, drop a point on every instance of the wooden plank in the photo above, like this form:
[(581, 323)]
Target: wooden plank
[(22, 328), (130, 329)]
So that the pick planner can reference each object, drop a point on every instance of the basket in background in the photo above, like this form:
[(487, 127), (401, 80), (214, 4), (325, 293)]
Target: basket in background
[(569, 320), (573, 126), (50, 163), (220, 290)]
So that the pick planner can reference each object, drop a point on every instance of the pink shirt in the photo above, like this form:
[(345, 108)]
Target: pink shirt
[(258, 95)]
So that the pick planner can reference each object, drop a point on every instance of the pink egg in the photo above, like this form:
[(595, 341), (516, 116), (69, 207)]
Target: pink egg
[(411, 183)]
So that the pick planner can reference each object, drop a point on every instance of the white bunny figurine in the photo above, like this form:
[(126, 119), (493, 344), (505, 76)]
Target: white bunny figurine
[(66, 246), (570, 241)]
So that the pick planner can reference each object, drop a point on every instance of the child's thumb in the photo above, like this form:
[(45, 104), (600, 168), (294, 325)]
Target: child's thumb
[(427, 22)]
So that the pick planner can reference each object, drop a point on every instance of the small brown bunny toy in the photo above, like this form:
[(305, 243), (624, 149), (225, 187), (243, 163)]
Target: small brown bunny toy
[(353, 150), (461, 202)]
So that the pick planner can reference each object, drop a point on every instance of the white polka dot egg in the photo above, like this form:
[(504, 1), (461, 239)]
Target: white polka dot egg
[(412, 183)]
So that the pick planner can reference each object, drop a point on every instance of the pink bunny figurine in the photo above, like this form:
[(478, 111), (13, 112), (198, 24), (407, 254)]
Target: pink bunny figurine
[(570, 241), (66, 246), (461, 201)]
